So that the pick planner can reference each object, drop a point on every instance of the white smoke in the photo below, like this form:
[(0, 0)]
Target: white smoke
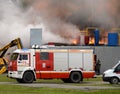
[(15, 22), (12, 24)]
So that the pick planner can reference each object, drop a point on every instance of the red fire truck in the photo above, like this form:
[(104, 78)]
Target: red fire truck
[(71, 64)]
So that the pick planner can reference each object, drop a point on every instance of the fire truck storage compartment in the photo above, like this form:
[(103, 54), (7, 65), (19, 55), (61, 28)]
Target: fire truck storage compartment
[(61, 60), (73, 59), (81, 60)]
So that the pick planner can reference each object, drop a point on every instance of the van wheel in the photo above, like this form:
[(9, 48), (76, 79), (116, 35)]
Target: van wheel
[(28, 77), (75, 77), (114, 80)]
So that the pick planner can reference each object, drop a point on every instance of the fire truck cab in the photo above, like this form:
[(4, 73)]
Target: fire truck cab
[(71, 64)]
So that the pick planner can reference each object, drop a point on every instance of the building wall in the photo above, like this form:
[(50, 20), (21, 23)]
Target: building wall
[(35, 36), (108, 55)]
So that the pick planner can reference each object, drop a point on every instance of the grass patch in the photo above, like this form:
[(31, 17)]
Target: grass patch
[(93, 79), (86, 82), (4, 78), (14, 89)]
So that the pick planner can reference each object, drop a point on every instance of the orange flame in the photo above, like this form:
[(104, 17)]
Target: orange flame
[(74, 41), (101, 41), (92, 40)]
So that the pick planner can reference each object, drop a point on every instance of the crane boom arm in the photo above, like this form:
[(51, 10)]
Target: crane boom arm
[(3, 50)]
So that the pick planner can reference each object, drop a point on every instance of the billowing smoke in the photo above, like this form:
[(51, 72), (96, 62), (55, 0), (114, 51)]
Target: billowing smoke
[(59, 19), (99, 13), (12, 23)]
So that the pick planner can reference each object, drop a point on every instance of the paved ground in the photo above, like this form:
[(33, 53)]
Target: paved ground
[(83, 86)]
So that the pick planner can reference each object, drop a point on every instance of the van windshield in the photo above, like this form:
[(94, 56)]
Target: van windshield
[(116, 65), (14, 56)]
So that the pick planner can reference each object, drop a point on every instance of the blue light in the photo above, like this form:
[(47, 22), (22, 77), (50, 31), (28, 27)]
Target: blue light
[(25, 49)]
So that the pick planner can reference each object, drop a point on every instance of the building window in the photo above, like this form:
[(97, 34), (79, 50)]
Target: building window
[(44, 56)]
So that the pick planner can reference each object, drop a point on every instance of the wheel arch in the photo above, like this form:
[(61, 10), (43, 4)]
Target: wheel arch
[(112, 81), (115, 77), (32, 71), (77, 71)]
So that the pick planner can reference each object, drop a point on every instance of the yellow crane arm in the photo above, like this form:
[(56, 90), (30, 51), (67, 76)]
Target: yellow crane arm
[(3, 61), (3, 65), (3, 69)]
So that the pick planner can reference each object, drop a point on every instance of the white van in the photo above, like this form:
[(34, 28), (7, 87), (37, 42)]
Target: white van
[(112, 75)]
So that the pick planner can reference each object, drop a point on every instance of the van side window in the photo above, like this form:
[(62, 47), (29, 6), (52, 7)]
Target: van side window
[(23, 57), (44, 56), (117, 69)]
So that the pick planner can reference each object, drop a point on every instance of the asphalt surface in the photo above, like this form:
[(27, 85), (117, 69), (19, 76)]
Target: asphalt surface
[(80, 86)]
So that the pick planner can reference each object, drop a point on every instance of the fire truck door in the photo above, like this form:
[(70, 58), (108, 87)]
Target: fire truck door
[(23, 61), (44, 61)]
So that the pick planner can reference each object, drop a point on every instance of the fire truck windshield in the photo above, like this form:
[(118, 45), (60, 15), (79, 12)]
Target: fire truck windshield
[(14, 56)]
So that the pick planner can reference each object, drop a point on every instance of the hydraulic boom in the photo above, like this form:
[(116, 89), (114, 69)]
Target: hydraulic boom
[(3, 61)]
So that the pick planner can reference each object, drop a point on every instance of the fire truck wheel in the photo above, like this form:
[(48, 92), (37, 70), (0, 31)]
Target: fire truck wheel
[(75, 77), (28, 77)]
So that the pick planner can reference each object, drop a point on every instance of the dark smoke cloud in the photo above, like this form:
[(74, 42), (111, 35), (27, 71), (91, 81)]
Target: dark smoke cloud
[(81, 13), (60, 19), (102, 13)]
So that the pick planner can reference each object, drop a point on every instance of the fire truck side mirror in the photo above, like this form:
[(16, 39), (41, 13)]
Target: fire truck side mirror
[(21, 57)]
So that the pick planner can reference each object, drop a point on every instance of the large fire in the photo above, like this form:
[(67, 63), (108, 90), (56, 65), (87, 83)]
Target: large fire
[(102, 41), (91, 40)]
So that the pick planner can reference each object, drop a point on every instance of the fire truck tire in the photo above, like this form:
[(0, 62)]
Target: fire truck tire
[(28, 77), (75, 77)]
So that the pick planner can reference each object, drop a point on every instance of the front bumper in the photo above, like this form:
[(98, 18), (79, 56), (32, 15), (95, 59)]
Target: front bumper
[(106, 79), (14, 74)]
